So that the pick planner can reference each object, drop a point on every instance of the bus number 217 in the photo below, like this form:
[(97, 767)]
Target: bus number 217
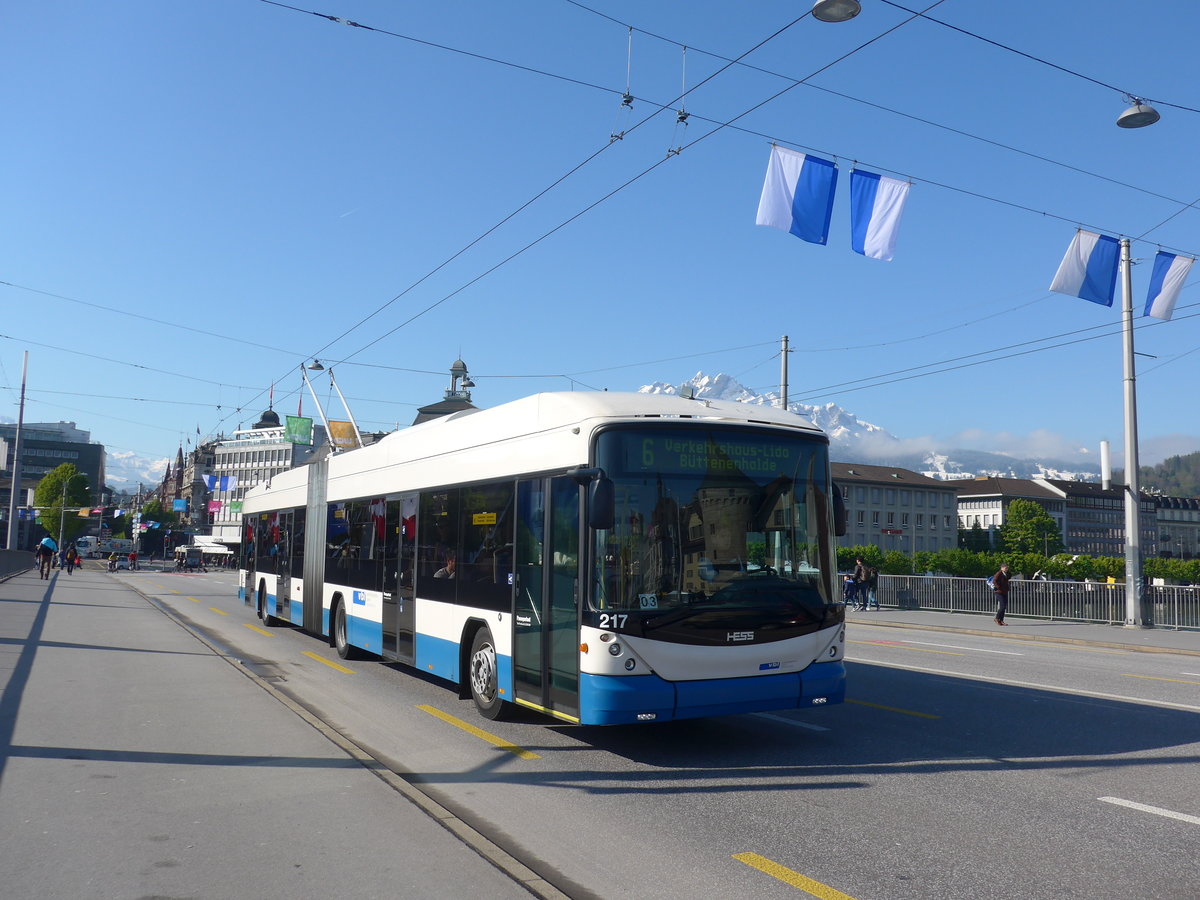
[(613, 620)]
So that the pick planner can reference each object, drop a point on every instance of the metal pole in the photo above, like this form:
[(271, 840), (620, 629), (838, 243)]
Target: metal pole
[(783, 378), (14, 531), (308, 384), (1133, 531), (345, 406)]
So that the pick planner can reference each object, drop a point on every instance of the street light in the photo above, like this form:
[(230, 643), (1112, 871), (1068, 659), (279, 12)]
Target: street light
[(836, 10), (1139, 115)]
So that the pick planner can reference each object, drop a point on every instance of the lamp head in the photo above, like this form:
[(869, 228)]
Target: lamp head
[(1139, 115), (836, 10), (315, 366)]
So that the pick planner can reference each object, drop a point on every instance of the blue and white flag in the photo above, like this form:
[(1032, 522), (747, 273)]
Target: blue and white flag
[(1089, 270), (1166, 281), (876, 205), (220, 482), (797, 195)]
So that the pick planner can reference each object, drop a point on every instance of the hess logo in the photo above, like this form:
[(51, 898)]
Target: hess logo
[(739, 636)]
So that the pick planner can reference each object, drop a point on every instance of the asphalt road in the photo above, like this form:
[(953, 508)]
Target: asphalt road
[(962, 766)]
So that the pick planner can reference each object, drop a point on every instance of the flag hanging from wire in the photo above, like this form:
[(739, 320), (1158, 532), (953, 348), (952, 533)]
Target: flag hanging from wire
[(876, 206), (220, 482), (1166, 281), (1089, 270), (797, 195)]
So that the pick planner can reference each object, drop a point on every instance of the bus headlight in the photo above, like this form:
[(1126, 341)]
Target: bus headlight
[(615, 649), (630, 664)]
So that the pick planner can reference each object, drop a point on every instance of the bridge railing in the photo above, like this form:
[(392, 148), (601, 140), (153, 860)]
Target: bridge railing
[(1063, 601)]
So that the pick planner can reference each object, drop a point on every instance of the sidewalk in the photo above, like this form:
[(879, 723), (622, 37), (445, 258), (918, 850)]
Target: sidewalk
[(136, 761), (1150, 640)]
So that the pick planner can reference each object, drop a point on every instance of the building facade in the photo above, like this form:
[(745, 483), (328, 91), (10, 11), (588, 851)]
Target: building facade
[(251, 457), (984, 501), (44, 447), (896, 509)]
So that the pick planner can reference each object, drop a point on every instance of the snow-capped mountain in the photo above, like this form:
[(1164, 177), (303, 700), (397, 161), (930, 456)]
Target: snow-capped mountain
[(853, 440)]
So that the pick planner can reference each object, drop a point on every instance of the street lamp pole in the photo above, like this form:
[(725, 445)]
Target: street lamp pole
[(1133, 532), (13, 530)]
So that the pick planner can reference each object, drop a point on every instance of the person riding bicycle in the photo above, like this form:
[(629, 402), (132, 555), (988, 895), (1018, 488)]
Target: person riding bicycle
[(44, 553), (112, 561)]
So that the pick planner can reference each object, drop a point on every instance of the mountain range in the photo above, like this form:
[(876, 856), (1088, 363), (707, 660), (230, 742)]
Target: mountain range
[(855, 441)]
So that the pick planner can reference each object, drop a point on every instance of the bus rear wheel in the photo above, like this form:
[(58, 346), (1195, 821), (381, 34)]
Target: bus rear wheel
[(267, 619), (481, 669), (340, 642)]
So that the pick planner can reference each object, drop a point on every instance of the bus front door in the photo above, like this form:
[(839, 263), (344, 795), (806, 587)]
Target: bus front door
[(546, 621)]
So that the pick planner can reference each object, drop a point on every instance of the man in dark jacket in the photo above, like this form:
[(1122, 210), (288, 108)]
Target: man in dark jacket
[(1000, 589)]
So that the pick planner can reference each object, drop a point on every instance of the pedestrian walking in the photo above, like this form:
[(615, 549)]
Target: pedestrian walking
[(862, 579), (44, 553), (849, 590), (72, 559), (872, 583), (1000, 589)]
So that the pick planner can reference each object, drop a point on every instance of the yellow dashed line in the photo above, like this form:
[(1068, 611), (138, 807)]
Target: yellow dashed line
[(791, 877), (1155, 678), (327, 662), (479, 733), (194, 599), (219, 612), (262, 631), (895, 709)]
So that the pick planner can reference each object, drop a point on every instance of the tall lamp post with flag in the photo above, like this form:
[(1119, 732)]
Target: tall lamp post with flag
[(1089, 271)]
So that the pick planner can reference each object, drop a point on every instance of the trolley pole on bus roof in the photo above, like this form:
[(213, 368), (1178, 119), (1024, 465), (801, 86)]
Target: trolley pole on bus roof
[(783, 374)]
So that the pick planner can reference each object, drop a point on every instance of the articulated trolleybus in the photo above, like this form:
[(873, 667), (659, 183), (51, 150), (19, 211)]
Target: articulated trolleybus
[(600, 557)]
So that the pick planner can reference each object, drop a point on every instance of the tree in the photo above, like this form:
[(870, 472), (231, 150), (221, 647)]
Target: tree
[(57, 517), (1028, 528), (974, 539)]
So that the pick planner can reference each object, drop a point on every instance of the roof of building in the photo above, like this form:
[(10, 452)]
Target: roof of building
[(992, 486), (888, 475)]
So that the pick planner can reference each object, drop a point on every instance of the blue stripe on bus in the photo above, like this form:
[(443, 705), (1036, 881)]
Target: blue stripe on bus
[(616, 700), (296, 609), (364, 633), (437, 656)]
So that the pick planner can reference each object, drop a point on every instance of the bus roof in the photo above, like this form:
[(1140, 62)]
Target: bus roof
[(545, 432)]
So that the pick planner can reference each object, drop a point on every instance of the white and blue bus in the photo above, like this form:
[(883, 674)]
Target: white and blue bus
[(600, 557)]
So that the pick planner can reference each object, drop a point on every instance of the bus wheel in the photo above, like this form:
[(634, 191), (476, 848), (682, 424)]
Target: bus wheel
[(267, 619), (482, 671), (344, 649)]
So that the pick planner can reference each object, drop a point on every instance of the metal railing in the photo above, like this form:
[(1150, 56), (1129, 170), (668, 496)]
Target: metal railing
[(1061, 601)]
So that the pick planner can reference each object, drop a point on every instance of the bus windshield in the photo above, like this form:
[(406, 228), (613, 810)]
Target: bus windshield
[(715, 528)]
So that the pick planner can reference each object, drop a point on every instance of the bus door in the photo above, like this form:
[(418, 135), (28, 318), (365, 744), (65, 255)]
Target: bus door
[(283, 566), (399, 554), (546, 620)]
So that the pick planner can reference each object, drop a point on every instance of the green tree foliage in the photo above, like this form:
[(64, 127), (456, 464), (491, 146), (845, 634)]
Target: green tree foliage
[(58, 517), (975, 539), (1029, 529)]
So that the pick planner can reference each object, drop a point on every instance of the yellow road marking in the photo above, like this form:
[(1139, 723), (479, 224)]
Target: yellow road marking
[(172, 592), (219, 612), (259, 630), (791, 877), (479, 733), (1155, 678), (900, 646), (895, 709), (331, 665), (194, 599)]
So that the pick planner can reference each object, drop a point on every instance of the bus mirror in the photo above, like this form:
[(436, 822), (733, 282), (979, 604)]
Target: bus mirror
[(839, 512), (601, 503)]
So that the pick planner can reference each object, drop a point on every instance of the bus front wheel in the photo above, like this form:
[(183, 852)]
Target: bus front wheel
[(264, 612), (482, 673)]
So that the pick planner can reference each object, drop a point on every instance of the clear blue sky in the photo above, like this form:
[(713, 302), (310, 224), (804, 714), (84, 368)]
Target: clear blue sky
[(223, 188)]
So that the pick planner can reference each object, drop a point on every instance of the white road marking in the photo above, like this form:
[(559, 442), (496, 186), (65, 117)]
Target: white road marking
[(1157, 810), (786, 721), (1196, 674), (956, 647), (1029, 684)]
